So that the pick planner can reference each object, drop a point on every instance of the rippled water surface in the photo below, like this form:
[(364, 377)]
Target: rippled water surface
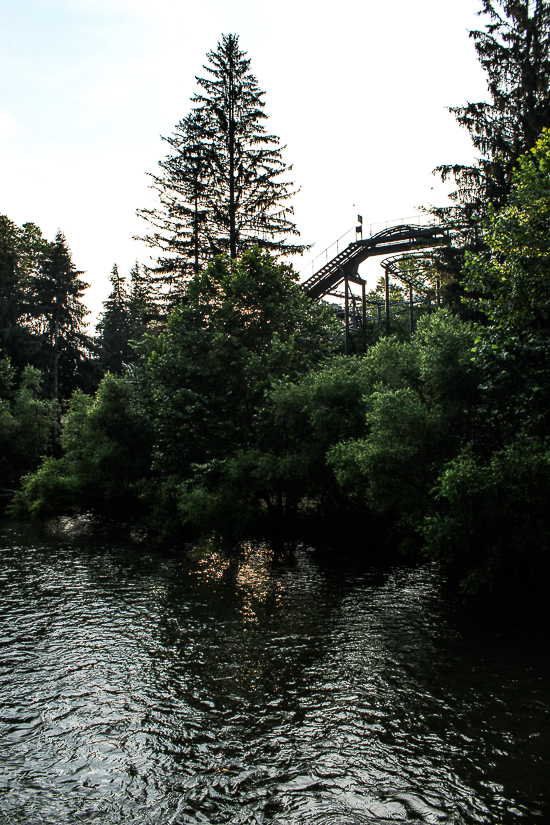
[(135, 688)]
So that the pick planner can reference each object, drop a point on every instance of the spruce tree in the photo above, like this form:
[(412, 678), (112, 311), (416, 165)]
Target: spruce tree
[(115, 327), (224, 188), (180, 222), (21, 249), (60, 315), (127, 315), (142, 300), (514, 51)]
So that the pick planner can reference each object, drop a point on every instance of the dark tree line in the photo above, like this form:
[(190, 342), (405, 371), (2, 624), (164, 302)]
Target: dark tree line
[(42, 316), (45, 352), (47, 357)]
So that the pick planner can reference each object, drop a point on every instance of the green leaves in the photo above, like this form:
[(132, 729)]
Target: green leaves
[(245, 326), (107, 450), (493, 515), (416, 399), (26, 427), (510, 285)]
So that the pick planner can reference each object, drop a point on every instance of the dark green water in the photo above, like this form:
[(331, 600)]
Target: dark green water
[(138, 689)]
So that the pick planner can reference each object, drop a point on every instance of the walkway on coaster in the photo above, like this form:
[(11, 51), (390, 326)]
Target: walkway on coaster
[(342, 269)]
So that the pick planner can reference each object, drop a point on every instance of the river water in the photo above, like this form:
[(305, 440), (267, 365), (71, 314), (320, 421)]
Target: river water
[(137, 688)]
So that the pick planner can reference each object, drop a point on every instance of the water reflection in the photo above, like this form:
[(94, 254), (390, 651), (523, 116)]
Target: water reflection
[(255, 581), (255, 689)]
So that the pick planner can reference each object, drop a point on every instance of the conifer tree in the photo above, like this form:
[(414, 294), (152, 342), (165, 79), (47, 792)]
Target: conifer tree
[(127, 314), (514, 51), (21, 249), (224, 188), (142, 300), (140, 295), (60, 316), (180, 222), (115, 327)]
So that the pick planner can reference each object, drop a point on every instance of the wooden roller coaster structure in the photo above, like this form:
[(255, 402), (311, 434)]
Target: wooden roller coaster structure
[(406, 246)]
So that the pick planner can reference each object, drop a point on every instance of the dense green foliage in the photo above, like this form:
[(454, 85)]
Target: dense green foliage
[(492, 497), (418, 400), (244, 325), (510, 286), (45, 353), (245, 418), (41, 309), (106, 451), (26, 425)]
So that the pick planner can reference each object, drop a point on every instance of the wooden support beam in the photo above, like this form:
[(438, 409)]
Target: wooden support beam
[(355, 279), (364, 313), (346, 310), (411, 312), (387, 290)]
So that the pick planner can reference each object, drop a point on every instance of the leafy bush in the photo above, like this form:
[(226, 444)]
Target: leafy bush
[(107, 449), (494, 519), (26, 425), (418, 399)]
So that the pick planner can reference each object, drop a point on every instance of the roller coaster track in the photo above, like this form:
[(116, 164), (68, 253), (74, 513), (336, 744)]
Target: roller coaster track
[(396, 239), (408, 270)]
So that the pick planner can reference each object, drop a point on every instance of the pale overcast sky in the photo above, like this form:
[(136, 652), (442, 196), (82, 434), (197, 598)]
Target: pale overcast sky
[(356, 90)]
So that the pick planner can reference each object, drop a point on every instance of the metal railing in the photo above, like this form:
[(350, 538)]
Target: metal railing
[(369, 229)]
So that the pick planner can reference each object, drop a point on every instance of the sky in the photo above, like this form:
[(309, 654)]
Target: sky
[(358, 91)]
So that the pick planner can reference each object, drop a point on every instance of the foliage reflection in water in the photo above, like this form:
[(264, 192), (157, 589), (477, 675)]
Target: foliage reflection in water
[(211, 689)]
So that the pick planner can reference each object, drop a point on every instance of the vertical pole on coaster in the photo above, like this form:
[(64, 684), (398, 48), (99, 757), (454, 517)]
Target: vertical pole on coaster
[(364, 301), (411, 315), (387, 286), (437, 286), (346, 310)]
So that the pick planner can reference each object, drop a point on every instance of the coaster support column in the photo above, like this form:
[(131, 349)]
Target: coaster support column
[(411, 314), (346, 310), (387, 289), (364, 301)]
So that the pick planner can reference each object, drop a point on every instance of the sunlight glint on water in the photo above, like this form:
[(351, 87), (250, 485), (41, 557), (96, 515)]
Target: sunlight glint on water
[(136, 688)]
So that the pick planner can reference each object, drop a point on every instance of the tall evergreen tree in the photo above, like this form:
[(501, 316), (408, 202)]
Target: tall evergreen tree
[(514, 51), (21, 249), (60, 320), (127, 315), (142, 300), (115, 327), (180, 222), (223, 189)]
